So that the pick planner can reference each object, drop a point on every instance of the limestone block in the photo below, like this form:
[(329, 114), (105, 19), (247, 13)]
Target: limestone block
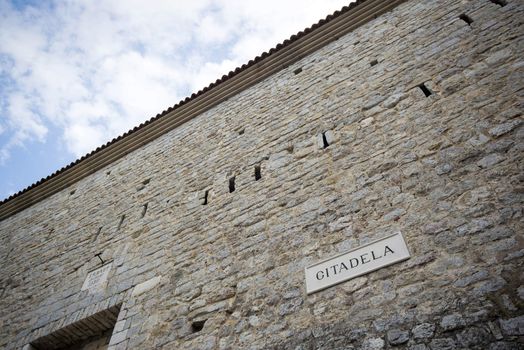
[(146, 286)]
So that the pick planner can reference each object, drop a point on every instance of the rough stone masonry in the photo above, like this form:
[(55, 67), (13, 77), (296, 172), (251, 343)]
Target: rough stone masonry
[(410, 123)]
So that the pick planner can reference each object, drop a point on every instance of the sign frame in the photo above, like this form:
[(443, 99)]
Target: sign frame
[(406, 254), (95, 278)]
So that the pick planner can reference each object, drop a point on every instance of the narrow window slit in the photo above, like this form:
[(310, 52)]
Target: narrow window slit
[(232, 184), (373, 63), (206, 195), (144, 210), (501, 3), (466, 19), (325, 142), (258, 174), (297, 71), (122, 218), (51, 232), (95, 236), (427, 92), (197, 326), (143, 184)]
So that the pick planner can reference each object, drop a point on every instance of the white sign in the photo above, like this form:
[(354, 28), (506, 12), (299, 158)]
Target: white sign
[(97, 277), (356, 262)]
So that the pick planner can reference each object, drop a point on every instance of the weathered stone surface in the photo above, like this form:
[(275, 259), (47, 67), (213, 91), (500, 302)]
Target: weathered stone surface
[(513, 326), (445, 170), (504, 128), (490, 160), (473, 336), (451, 322), (118, 337), (506, 346), (145, 286), (393, 100), (397, 337), (423, 331), (373, 344), (418, 347)]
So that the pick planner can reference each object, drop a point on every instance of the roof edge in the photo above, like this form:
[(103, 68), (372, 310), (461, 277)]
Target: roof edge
[(290, 51)]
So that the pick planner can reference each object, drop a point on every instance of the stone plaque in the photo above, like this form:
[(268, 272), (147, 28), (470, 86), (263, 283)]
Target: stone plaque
[(356, 262), (96, 277)]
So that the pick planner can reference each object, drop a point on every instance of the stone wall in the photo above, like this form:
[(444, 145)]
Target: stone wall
[(411, 123)]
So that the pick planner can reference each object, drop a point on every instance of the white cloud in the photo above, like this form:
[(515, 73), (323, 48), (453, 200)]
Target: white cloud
[(24, 123), (82, 136), (27, 123), (4, 154), (94, 69)]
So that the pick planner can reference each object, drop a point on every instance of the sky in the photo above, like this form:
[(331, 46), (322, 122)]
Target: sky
[(74, 74)]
